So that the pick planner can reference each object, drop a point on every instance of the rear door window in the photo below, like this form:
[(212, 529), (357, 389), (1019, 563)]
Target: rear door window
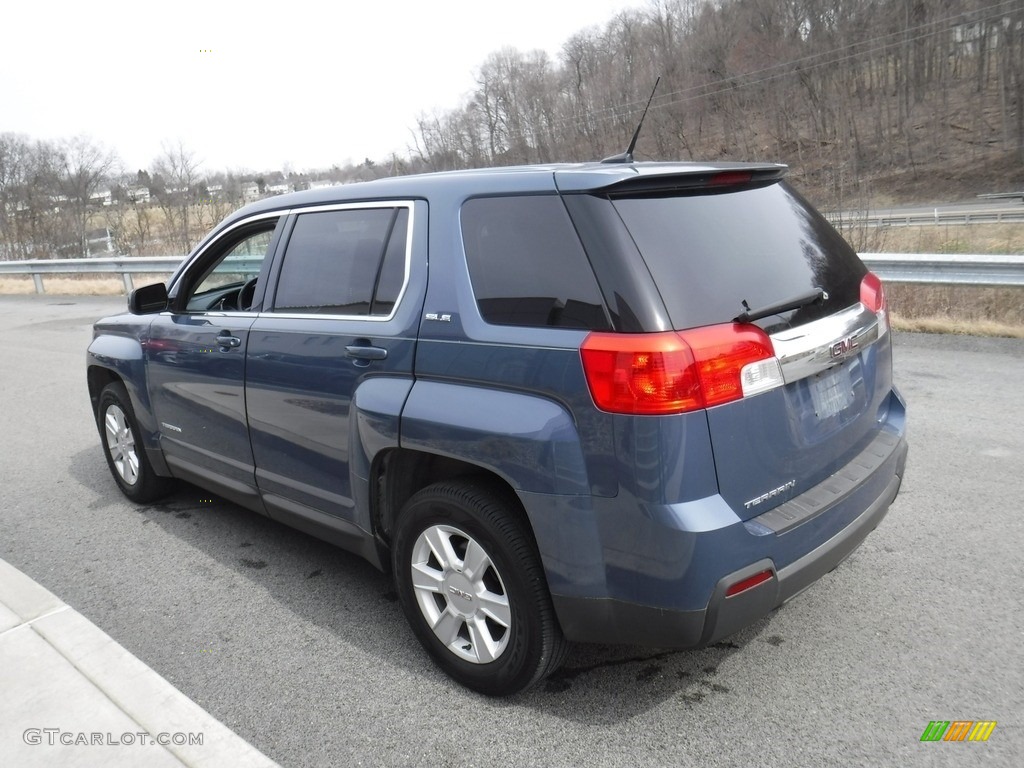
[(527, 264), (348, 262), (710, 253)]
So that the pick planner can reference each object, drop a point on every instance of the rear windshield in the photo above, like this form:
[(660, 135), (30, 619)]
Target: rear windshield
[(710, 253)]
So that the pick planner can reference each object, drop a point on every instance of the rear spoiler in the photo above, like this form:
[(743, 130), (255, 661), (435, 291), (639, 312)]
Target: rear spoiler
[(709, 181)]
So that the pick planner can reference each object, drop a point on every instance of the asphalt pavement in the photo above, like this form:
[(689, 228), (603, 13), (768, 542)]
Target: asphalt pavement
[(299, 651)]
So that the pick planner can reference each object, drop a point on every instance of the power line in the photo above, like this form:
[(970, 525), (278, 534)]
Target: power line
[(899, 37)]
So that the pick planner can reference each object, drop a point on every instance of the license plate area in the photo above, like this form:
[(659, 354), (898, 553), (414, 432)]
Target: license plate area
[(831, 392)]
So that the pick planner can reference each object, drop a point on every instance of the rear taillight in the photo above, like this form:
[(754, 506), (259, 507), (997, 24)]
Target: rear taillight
[(872, 296), (661, 373)]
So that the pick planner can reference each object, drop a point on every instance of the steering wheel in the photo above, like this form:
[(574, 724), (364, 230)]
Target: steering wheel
[(246, 294)]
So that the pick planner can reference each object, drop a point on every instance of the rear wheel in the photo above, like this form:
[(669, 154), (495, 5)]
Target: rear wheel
[(472, 587), (125, 453)]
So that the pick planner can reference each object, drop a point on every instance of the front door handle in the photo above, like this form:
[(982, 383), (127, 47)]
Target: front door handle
[(226, 341)]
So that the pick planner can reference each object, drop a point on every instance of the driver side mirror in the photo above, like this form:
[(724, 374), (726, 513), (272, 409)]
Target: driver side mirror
[(148, 300)]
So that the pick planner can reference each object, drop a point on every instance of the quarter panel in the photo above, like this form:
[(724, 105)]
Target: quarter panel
[(530, 441)]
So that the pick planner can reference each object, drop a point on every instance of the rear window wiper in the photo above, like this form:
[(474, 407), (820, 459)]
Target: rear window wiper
[(748, 315)]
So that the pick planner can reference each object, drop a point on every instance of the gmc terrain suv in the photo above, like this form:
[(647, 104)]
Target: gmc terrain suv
[(629, 403)]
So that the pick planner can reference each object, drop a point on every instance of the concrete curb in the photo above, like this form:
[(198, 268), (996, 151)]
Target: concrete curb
[(73, 696)]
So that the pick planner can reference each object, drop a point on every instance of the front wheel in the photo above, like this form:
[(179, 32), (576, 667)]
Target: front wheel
[(123, 447), (471, 584)]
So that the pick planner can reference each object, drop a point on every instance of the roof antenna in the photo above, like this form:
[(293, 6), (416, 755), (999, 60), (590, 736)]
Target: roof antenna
[(627, 156)]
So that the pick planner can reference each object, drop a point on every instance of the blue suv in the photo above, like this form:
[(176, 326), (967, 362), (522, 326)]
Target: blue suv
[(641, 403)]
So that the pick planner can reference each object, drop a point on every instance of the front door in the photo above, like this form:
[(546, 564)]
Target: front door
[(196, 360)]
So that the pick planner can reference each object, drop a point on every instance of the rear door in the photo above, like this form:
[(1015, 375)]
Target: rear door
[(343, 310), (716, 254)]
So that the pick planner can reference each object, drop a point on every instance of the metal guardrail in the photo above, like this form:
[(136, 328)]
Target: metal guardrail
[(1002, 196), (947, 268), (125, 266), (952, 269), (920, 219)]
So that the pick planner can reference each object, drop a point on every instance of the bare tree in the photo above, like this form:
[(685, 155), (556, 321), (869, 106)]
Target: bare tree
[(177, 193), (15, 161), (34, 207), (85, 166), (129, 218)]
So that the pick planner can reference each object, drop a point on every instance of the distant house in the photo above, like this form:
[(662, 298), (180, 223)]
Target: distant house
[(280, 189), (138, 194), (102, 196), (320, 184), (251, 192)]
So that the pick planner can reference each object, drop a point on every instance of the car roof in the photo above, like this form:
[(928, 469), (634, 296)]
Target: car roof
[(561, 177)]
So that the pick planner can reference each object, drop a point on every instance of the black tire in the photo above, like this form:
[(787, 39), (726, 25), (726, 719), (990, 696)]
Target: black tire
[(493, 559), (122, 445)]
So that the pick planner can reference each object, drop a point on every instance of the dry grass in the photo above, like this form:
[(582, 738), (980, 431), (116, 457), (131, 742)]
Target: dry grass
[(945, 238), (961, 309), (956, 327)]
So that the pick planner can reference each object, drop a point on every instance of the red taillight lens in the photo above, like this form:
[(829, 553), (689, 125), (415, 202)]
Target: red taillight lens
[(730, 178), (722, 351), (661, 373), (872, 296), (644, 373)]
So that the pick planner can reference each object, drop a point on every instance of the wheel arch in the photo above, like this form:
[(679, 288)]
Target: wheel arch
[(103, 370), (399, 473), (99, 377)]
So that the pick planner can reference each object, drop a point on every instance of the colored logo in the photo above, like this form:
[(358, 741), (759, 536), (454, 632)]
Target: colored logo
[(958, 730)]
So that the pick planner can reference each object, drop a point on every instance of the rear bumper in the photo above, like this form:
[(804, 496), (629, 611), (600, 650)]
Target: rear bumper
[(613, 620)]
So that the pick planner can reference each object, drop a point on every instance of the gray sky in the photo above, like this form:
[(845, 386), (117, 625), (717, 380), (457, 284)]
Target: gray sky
[(251, 85)]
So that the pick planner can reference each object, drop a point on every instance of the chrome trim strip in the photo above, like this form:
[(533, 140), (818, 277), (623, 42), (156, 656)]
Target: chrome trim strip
[(266, 315), (815, 347)]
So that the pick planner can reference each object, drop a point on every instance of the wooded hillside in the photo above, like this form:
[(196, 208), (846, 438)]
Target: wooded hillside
[(863, 98)]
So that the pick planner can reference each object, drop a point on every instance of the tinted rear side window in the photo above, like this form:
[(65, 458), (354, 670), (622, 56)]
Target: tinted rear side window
[(527, 264), (335, 262), (709, 253)]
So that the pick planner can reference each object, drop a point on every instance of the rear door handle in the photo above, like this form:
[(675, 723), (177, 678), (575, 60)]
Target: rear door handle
[(360, 352)]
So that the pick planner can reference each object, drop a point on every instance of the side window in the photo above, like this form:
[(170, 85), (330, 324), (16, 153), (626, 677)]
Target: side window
[(392, 270), (345, 262), (527, 264), (236, 263)]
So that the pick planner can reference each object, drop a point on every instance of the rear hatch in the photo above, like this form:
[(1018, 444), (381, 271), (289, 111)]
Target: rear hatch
[(735, 252)]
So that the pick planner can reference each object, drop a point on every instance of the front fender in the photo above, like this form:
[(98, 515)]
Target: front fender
[(529, 441), (124, 357)]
